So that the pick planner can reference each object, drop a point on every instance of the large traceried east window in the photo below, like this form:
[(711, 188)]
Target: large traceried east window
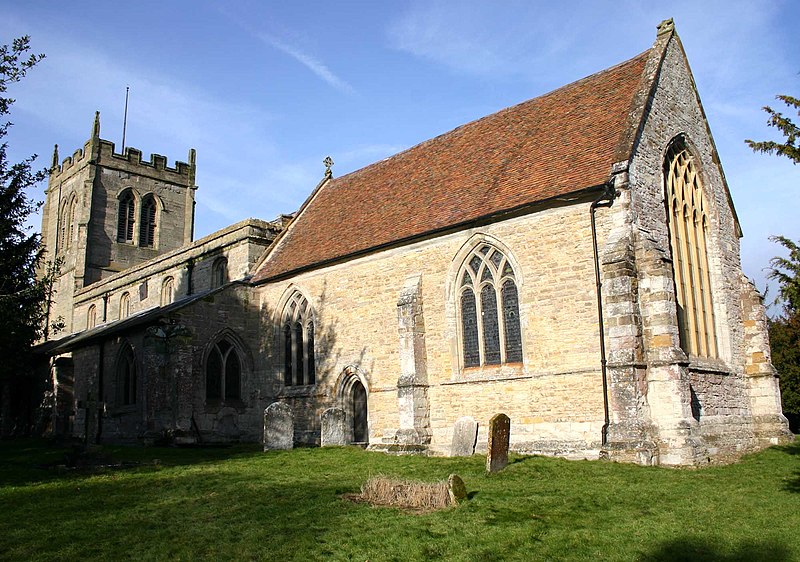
[(688, 229), (297, 333), (488, 305)]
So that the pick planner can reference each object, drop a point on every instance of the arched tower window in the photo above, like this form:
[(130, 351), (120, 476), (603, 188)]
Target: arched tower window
[(488, 306), (297, 332), (126, 377), (223, 372), (124, 305), (688, 229), (167, 291), (91, 317), (219, 273), (125, 218), (147, 225)]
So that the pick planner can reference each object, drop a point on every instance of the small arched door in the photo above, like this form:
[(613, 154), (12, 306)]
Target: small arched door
[(358, 397)]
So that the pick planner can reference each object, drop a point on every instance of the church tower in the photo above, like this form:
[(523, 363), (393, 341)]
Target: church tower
[(106, 212)]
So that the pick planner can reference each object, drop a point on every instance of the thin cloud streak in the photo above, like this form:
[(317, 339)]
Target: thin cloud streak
[(315, 66)]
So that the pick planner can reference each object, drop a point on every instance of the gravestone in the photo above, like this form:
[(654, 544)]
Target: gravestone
[(499, 436), (334, 427), (465, 435), (278, 427), (456, 489)]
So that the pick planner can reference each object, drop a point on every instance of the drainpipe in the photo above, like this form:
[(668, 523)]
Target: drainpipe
[(606, 199)]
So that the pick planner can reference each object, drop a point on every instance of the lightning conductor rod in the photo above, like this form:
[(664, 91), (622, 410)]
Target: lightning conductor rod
[(125, 119)]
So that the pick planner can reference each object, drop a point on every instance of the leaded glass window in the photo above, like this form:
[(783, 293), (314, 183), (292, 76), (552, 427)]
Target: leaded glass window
[(489, 326), (299, 364), (126, 377), (223, 372)]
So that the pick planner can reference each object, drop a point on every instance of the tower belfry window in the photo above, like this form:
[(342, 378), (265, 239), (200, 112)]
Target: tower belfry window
[(147, 225), (126, 217), (687, 219)]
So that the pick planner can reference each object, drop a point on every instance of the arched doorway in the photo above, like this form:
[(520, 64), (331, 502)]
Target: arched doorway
[(358, 398)]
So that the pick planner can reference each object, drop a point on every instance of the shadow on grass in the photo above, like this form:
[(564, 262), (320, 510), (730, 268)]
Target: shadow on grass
[(698, 550), (30, 461)]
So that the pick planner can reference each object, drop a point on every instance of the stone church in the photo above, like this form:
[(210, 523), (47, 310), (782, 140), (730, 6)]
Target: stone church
[(571, 261)]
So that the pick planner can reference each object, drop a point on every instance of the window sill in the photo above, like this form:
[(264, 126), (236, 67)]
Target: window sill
[(300, 390), (708, 365), (506, 371), (217, 405)]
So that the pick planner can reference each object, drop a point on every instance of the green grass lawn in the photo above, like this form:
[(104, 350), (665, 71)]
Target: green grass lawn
[(240, 503)]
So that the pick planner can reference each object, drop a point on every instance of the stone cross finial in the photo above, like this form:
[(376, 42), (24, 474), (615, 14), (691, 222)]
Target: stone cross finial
[(328, 163), (666, 26)]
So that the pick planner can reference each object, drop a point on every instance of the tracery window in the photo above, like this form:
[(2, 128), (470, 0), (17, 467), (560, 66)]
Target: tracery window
[(125, 218), (688, 228), (297, 332), (91, 317), (167, 291), (66, 225), (488, 305), (124, 305), (126, 377), (219, 273), (147, 226), (223, 372)]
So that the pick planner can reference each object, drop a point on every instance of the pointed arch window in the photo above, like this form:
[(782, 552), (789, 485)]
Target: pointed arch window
[(126, 377), (297, 332), (488, 305), (167, 291), (219, 273), (124, 305), (91, 317), (125, 217), (147, 225), (687, 219), (223, 372)]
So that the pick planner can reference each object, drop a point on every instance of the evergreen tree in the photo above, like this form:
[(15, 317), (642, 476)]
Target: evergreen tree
[(784, 330), (786, 127), (22, 295)]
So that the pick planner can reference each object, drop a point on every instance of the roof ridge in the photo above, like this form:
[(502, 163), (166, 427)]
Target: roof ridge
[(494, 115)]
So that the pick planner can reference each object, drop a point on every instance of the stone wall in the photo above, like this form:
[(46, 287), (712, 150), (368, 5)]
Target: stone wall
[(170, 355), (554, 398), (690, 409), (241, 244)]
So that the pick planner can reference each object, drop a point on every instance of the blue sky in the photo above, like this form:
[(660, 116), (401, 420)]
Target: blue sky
[(265, 90)]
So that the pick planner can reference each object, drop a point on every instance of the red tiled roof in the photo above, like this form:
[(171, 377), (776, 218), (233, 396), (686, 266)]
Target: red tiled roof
[(552, 145)]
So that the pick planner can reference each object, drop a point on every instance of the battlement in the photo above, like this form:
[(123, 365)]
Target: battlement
[(102, 152)]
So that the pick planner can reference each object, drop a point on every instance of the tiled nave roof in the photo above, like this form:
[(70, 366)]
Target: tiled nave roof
[(558, 143)]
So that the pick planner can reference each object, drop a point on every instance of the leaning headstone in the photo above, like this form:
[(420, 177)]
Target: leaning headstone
[(456, 489), (499, 436), (465, 435), (334, 428), (278, 427)]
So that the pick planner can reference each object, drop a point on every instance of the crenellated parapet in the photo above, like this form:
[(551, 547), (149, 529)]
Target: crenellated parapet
[(103, 152)]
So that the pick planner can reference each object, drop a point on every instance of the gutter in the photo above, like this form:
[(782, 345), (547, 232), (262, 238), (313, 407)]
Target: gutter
[(606, 199)]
